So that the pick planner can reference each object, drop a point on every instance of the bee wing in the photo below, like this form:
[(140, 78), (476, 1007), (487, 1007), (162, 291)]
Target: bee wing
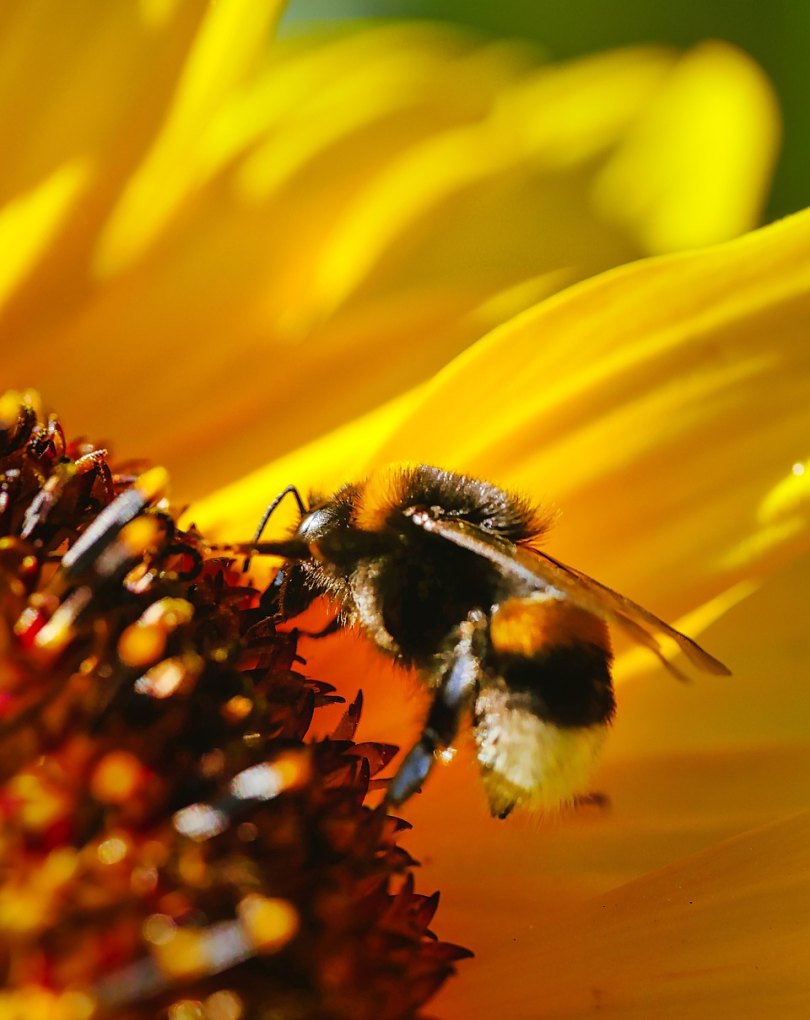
[(542, 571)]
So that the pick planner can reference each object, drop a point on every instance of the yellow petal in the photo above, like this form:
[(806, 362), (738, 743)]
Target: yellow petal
[(409, 222), (234, 511), (764, 639), (637, 139), (230, 42), (694, 169), (237, 198), (29, 223), (721, 933)]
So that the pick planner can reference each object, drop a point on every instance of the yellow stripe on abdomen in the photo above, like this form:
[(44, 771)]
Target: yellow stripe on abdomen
[(526, 626)]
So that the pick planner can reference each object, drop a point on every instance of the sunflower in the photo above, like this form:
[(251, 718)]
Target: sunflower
[(329, 228)]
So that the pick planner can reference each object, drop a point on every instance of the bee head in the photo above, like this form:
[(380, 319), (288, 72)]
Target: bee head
[(328, 530)]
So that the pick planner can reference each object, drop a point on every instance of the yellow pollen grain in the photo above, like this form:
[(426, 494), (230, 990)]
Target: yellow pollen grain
[(158, 929), (58, 868), (75, 1005), (139, 535), (152, 484), (39, 803), (116, 777), (22, 911), (183, 955), (11, 407), (268, 922), (292, 769), (237, 708), (141, 644), (113, 850), (187, 1009), (224, 1005)]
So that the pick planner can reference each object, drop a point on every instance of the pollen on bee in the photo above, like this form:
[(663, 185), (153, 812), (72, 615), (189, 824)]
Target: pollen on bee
[(446, 755)]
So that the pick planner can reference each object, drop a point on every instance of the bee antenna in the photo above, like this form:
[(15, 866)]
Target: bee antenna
[(268, 513)]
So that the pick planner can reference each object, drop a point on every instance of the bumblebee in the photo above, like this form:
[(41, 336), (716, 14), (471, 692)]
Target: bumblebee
[(442, 572)]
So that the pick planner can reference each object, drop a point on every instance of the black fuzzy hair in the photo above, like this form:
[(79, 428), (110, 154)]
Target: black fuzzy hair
[(504, 513)]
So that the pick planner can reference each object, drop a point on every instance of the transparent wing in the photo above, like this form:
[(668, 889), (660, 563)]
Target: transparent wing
[(542, 571)]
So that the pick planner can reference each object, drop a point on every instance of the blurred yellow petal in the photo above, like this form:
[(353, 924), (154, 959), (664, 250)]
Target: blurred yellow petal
[(764, 703), (230, 41), (106, 66), (29, 223), (324, 464), (100, 112), (375, 198), (157, 12), (379, 86), (643, 141), (668, 181), (554, 117)]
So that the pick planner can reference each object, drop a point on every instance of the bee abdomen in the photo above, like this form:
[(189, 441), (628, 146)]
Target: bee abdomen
[(554, 659)]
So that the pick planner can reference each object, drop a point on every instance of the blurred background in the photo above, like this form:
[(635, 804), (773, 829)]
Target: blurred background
[(263, 241), (776, 34)]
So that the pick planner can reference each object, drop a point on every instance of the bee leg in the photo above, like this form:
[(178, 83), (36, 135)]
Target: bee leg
[(289, 594), (456, 688)]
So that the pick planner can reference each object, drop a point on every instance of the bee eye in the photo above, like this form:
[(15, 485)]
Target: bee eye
[(311, 525)]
